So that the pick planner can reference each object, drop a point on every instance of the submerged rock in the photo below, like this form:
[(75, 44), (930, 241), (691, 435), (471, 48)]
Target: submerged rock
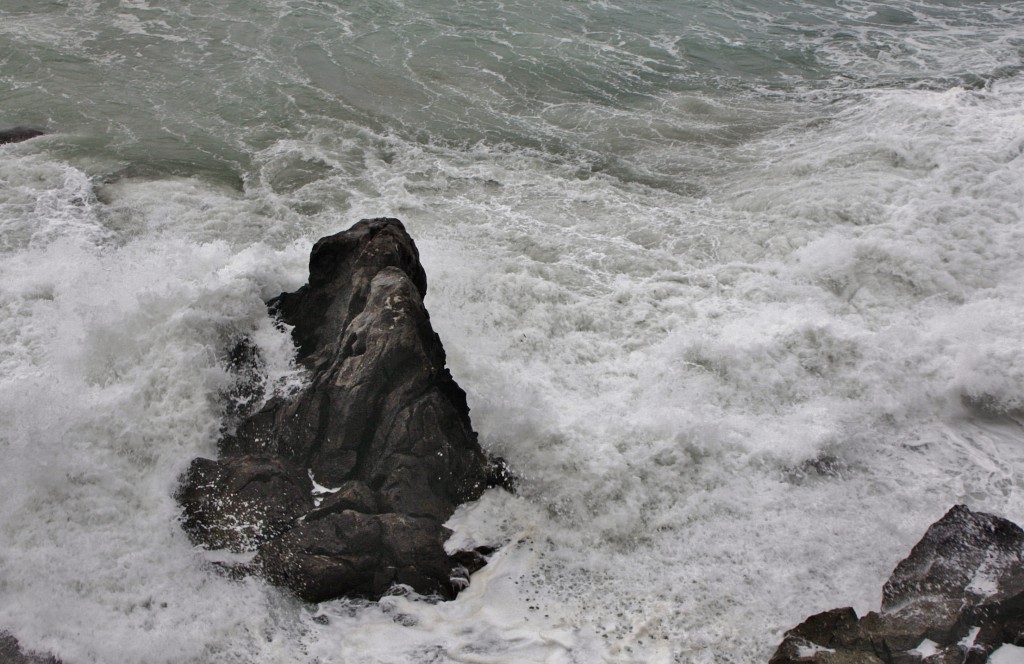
[(382, 429), (12, 653), (957, 597), (18, 134)]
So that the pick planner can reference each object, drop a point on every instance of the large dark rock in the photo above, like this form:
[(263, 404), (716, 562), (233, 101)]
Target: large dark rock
[(957, 597), (238, 503), (18, 134), (382, 424), (360, 555), (381, 407)]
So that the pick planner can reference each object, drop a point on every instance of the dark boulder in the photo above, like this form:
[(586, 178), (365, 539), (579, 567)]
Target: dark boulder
[(381, 427), (18, 134), (381, 406), (957, 597), (360, 555), (239, 502)]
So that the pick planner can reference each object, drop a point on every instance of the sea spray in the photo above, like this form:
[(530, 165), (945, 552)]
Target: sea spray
[(734, 288)]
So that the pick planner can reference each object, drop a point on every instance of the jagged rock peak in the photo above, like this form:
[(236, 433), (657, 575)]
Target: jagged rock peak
[(341, 270), (382, 407), (381, 431)]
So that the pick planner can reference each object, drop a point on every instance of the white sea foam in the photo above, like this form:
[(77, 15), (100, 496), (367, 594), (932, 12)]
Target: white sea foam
[(1007, 654), (728, 412), (113, 359), (742, 342)]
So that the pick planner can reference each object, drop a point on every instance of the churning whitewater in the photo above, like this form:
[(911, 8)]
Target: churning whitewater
[(736, 287)]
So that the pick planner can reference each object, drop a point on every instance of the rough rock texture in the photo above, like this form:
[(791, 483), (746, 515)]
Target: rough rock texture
[(957, 597), (351, 553), (382, 428), (240, 502), (245, 394), (18, 134)]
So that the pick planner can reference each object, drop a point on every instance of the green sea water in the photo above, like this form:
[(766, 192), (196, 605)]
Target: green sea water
[(202, 87)]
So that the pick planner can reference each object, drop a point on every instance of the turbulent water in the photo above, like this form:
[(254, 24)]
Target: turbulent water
[(736, 286)]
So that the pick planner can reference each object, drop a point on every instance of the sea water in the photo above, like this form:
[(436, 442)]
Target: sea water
[(735, 286)]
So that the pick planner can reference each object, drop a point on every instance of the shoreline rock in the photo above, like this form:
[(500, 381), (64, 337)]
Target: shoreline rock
[(957, 597), (18, 134), (382, 428)]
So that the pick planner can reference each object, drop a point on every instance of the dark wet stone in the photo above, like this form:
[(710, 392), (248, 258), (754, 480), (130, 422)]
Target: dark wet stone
[(249, 372), (961, 588), (381, 420), (18, 134), (353, 495), (341, 268), (238, 503), (381, 407), (500, 474), (360, 555), (962, 555)]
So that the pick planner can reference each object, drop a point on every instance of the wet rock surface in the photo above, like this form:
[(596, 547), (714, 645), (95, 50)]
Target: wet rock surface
[(240, 502), (356, 554), (381, 428), (18, 134), (957, 597)]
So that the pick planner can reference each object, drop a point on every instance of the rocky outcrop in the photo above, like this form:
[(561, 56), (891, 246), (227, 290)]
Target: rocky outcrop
[(240, 502), (957, 597), (18, 134), (342, 489)]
